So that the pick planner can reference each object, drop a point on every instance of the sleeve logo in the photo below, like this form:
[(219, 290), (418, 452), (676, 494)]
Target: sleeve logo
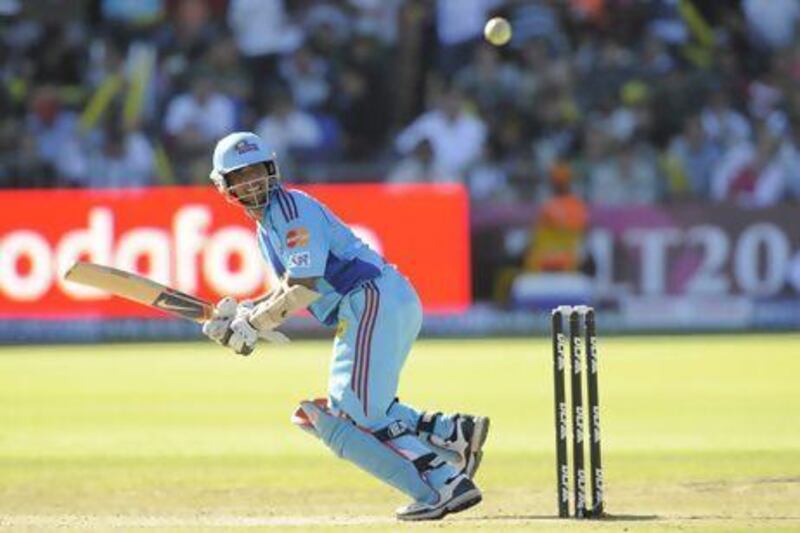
[(297, 237), (299, 260)]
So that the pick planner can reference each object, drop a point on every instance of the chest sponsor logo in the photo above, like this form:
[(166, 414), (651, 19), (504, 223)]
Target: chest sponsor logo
[(296, 237), (302, 259)]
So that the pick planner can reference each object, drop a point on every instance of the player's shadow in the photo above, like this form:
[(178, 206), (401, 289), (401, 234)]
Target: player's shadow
[(605, 517)]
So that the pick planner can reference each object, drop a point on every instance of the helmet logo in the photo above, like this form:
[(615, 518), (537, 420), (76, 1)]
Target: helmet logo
[(242, 147)]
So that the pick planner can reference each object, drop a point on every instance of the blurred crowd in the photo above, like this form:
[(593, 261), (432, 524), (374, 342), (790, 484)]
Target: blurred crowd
[(620, 101)]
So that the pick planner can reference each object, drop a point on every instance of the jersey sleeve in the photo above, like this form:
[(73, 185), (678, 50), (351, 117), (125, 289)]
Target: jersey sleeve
[(304, 241)]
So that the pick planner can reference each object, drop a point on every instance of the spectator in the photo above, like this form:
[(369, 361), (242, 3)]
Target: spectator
[(689, 162), (201, 115), (656, 60), (489, 178), (487, 80), (288, 128), (117, 159), (559, 229), (194, 120), (722, 123), (629, 177), (417, 167), (456, 136), (263, 32), (772, 23), (50, 125), (459, 23), (189, 33), (307, 77), (755, 175), (633, 117), (378, 18), (26, 169), (536, 19)]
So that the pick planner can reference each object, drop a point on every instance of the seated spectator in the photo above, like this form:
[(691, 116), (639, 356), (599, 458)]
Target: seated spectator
[(306, 74), (200, 116), (721, 122), (189, 33), (49, 123), (772, 23), (417, 167), (378, 18), (24, 168), (115, 159), (656, 60), (489, 178), (630, 176), (263, 31), (457, 137), (633, 116), (690, 161), (288, 128), (459, 23), (559, 228), (488, 80), (755, 174)]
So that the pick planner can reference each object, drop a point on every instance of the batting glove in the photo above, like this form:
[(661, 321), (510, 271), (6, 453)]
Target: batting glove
[(217, 327), (244, 336)]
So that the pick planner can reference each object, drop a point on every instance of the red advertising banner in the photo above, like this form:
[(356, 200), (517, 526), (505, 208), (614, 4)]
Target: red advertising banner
[(191, 239)]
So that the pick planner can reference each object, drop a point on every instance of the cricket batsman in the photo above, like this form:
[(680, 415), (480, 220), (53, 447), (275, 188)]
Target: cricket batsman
[(431, 457)]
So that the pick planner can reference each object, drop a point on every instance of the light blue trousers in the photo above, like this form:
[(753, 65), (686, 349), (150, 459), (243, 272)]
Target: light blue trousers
[(378, 323)]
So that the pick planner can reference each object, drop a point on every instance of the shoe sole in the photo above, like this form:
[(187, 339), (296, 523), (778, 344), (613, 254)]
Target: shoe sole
[(476, 445), (469, 499)]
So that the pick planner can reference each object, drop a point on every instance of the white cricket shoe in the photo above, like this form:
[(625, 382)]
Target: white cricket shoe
[(458, 494), (466, 442)]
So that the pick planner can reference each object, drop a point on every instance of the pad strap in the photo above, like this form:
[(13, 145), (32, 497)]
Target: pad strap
[(429, 461), (393, 431), (427, 422)]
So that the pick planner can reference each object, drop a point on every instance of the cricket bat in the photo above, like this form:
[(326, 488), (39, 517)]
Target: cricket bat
[(141, 290)]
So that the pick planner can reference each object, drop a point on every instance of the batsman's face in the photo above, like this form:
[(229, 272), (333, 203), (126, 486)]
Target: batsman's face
[(249, 186)]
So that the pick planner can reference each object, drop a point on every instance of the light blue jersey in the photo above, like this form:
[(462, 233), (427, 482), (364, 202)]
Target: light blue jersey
[(301, 236)]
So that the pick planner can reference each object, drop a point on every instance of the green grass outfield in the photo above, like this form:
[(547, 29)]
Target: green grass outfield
[(699, 432)]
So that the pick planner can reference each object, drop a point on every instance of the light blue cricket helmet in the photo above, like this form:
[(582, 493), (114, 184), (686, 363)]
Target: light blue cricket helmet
[(238, 150)]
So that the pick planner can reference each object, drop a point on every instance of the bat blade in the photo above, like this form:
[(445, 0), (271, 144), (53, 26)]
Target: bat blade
[(141, 290)]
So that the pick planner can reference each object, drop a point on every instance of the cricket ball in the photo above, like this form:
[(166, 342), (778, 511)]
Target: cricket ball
[(497, 31)]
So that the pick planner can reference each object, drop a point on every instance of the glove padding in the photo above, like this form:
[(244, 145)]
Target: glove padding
[(217, 327), (243, 336)]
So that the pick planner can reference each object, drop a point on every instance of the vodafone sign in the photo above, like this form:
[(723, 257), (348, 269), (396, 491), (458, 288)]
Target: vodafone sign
[(191, 239)]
